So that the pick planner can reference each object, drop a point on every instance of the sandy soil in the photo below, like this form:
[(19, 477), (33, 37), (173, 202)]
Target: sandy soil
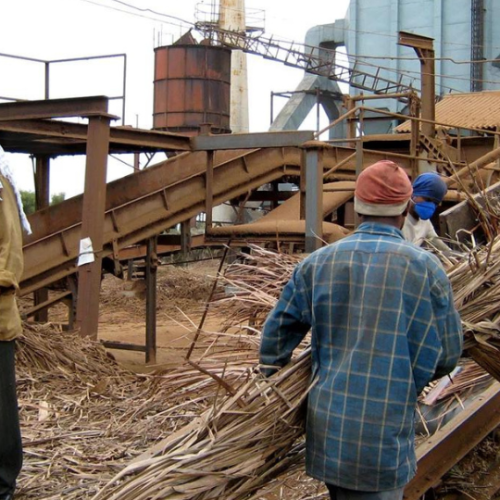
[(181, 297)]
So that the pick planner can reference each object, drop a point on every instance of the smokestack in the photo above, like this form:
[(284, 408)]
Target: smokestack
[(232, 18)]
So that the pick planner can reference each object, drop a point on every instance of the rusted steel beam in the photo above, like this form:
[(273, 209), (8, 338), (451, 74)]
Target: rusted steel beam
[(166, 244), (129, 139), (147, 138), (247, 141), (55, 108), (413, 40), (151, 274), (424, 48), (94, 200), (46, 304), (313, 166), (42, 200), (209, 191), (123, 346), (452, 442), (144, 204)]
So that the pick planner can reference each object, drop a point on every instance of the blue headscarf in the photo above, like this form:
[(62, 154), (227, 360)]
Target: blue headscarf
[(430, 185)]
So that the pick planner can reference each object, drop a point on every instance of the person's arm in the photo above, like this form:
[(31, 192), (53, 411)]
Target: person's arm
[(439, 244), (286, 325), (433, 238)]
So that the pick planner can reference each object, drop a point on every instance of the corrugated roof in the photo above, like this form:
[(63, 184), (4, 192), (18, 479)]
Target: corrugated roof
[(473, 110)]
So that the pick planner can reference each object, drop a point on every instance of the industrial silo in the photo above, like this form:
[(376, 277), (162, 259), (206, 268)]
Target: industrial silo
[(192, 87)]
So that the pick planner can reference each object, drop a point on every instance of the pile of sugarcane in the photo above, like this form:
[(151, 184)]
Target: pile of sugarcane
[(213, 427), (228, 452), (208, 459), (84, 417)]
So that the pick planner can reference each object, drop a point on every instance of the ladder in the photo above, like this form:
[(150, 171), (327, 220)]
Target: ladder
[(316, 60)]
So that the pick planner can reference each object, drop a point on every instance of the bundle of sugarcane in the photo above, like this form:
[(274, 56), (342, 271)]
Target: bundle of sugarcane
[(84, 417), (475, 281), (252, 286), (230, 450), (207, 459)]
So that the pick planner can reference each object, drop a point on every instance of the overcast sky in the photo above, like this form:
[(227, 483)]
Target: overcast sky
[(59, 29)]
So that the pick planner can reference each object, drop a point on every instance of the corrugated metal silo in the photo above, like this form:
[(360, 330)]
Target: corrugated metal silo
[(192, 87)]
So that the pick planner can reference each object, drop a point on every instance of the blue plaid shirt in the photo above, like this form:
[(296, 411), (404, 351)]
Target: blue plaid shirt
[(383, 326)]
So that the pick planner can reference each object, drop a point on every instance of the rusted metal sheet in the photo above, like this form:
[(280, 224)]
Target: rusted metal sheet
[(191, 87), (59, 137), (256, 140), (451, 443), (461, 220), (94, 200), (55, 108), (144, 204), (472, 110)]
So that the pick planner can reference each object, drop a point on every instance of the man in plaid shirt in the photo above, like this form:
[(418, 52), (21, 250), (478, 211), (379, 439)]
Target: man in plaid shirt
[(383, 325)]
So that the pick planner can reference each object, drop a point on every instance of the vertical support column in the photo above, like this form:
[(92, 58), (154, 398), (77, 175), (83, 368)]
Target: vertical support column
[(428, 93), (209, 191), (359, 155), (151, 268), (232, 18), (351, 122), (415, 134), (271, 111), (318, 110), (424, 48), (47, 80), (71, 303), (438, 31), (275, 190), (42, 181), (185, 238), (313, 165), (477, 45), (302, 187), (42, 200), (94, 201)]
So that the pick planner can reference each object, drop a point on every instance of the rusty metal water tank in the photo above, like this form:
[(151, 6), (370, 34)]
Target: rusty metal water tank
[(192, 87)]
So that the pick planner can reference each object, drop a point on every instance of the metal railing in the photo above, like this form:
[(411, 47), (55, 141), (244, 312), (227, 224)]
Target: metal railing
[(47, 67)]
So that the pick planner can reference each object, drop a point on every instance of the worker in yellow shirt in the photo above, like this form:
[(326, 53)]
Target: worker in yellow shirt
[(12, 220)]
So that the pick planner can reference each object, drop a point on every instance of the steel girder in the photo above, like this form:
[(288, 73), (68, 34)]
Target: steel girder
[(144, 204)]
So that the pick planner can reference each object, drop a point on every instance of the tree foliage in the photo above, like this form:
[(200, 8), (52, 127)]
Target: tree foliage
[(29, 200)]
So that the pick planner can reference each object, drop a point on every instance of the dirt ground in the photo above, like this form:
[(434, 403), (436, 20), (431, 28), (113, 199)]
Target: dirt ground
[(181, 296)]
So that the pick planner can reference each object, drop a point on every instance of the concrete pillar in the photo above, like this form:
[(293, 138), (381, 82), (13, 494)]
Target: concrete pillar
[(232, 18)]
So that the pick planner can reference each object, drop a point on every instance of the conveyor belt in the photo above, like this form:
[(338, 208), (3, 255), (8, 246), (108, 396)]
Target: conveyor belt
[(144, 204)]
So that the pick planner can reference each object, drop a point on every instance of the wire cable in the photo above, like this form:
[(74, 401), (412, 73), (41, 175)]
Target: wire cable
[(153, 12), (186, 23)]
